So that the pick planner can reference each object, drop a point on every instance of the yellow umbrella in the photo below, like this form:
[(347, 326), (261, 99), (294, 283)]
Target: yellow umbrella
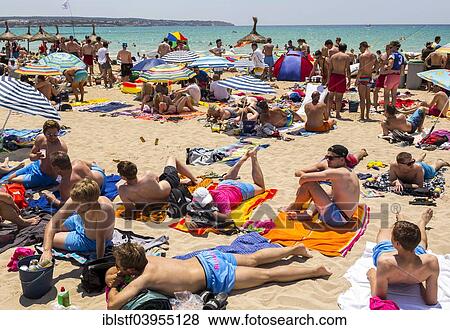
[(444, 49)]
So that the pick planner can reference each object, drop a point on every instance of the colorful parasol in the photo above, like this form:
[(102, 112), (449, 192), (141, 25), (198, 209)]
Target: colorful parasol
[(440, 77), (176, 36), (38, 70), (167, 73)]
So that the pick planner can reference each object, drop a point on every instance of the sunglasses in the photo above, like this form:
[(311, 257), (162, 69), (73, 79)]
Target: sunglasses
[(412, 162), (327, 157), (51, 135)]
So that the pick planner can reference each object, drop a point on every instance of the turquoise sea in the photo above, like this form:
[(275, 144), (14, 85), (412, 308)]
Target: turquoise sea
[(413, 37)]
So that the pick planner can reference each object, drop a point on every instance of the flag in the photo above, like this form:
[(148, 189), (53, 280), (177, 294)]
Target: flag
[(65, 4)]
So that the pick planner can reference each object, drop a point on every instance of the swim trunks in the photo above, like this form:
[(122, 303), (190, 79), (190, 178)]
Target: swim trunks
[(76, 239), (337, 83), (247, 189), (97, 168), (125, 69), (333, 216), (220, 270), (428, 171), (380, 81), (364, 80), (33, 177), (170, 175), (80, 76), (88, 60), (434, 111), (269, 61), (321, 129), (392, 81), (416, 119), (386, 246), (351, 160)]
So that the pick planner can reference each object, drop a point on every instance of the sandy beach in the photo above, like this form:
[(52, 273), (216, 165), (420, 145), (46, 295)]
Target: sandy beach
[(103, 139)]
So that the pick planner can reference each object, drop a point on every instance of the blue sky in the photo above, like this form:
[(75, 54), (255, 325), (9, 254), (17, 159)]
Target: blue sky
[(239, 12)]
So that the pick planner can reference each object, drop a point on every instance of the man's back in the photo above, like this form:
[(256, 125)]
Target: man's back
[(268, 49), (340, 63), (124, 56), (147, 189), (436, 59), (100, 222), (315, 114)]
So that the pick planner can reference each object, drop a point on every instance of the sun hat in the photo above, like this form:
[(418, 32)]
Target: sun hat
[(202, 197)]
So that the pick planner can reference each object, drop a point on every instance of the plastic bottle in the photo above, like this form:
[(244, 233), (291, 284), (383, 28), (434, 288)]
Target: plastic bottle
[(63, 297), (219, 302)]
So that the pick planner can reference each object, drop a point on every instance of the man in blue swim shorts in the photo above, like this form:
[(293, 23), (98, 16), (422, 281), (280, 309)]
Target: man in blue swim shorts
[(407, 173), (268, 57), (40, 173), (410, 125), (85, 223), (78, 78), (401, 258), (210, 270)]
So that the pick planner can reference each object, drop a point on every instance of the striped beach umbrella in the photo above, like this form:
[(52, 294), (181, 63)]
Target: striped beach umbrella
[(62, 61), (166, 73), (211, 62), (147, 64), (440, 77), (244, 64), (247, 84), (38, 70), (180, 56), (444, 49)]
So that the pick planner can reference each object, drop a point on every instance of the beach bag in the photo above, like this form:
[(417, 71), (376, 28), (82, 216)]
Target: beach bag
[(399, 136), (206, 219), (93, 274), (148, 300), (179, 199), (17, 192)]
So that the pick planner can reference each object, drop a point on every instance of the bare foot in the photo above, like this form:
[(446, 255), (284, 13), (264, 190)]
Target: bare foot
[(253, 152), (29, 222), (323, 271), (364, 153), (427, 215), (302, 251), (444, 163)]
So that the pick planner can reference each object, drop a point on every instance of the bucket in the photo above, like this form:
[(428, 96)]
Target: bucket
[(35, 284), (248, 126), (353, 106)]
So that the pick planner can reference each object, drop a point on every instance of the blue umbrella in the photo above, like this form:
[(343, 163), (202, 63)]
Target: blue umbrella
[(145, 65)]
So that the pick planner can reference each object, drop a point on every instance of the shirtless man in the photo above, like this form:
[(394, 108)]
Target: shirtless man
[(164, 48), (394, 70), (72, 47), (268, 56), (435, 61), (77, 78), (124, 56), (320, 67), (437, 107), (336, 209), (367, 61), (139, 191), (381, 69), (40, 173), (339, 72), (72, 173), (88, 52), (401, 258), (407, 173), (399, 122), (276, 116), (85, 223), (329, 49), (317, 115), (46, 88)]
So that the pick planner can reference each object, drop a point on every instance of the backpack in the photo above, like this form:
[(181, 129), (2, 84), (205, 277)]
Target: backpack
[(178, 200), (148, 300), (93, 274), (399, 136)]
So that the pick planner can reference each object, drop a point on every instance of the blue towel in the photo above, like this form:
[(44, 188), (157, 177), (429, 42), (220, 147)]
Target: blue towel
[(111, 190), (245, 244), (105, 108)]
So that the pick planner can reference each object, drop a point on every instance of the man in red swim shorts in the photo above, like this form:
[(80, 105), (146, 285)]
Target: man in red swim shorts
[(339, 71), (88, 52)]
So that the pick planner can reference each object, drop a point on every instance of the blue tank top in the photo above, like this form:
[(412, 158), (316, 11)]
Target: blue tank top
[(398, 60)]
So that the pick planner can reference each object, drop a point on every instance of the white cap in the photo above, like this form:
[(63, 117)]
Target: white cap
[(202, 197)]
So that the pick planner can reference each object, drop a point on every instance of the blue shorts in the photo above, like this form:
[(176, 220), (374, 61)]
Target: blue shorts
[(247, 189), (97, 168), (220, 270), (80, 75), (428, 171), (34, 178), (76, 240), (386, 246), (416, 119), (333, 216), (269, 61)]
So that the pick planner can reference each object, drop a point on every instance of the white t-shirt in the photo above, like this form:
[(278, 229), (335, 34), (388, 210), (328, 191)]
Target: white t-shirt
[(258, 58), (195, 92), (102, 55), (219, 92)]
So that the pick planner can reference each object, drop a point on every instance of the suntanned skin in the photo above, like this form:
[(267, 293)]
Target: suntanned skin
[(317, 113), (277, 117), (9, 211), (268, 51), (405, 267), (440, 100), (188, 275), (339, 63), (381, 68), (163, 49), (89, 49), (367, 62), (46, 88), (124, 56), (320, 65), (397, 122), (73, 47)]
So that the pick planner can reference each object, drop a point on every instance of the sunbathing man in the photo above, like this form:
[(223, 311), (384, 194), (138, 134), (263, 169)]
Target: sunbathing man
[(40, 173), (337, 208), (213, 270), (437, 107), (150, 188), (276, 116), (72, 173), (85, 223), (399, 122), (407, 173), (367, 62), (351, 161), (11, 212), (230, 193), (317, 115), (401, 258)]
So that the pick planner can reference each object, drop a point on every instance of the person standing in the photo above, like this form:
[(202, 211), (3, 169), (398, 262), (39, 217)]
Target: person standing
[(367, 61), (395, 67), (124, 56), (339, 72), (268, 57), (88, 51), (219, 50), (72, 47), (164, 48), (381, 68), (105, 65)]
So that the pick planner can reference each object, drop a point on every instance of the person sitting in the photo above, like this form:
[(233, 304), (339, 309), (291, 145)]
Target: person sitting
[(11, 212), (407, 173), (162, 88), (138, 191), (147, 95), (335, 209), (72, 173), (217, 92), (351, 161), (212, 270), (401, 258), (399, 122), (230, 192), (317, 115), (437, 107), (202, 81), (193, 93), (77, 78), (46, 88), (40, 173), (85, 223), (276, 116)]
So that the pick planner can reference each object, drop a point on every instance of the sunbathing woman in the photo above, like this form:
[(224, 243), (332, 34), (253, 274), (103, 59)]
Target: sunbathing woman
[(147, 95), (167, 107), (277, 117), (221, 114)]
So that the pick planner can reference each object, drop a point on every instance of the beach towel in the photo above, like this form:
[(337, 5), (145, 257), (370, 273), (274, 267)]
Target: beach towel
[(328, 241), (405, 296), (79, 105), (303, 132), (240, 215), (245, 244), (310, 89), (105, 108), (14, 139)]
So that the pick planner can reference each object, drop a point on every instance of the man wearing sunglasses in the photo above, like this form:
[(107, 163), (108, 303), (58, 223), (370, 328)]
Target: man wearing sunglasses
[(407, 173), (335, 209)]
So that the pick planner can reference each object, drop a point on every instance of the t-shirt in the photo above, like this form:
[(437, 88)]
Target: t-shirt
[(219, 92), (202, 76), (195, 92), (226, 197), (102, 55), (258, 58), (399, 60)]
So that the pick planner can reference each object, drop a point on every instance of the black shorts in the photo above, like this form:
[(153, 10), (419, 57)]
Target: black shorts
[(105, 66), (170, 175), (125, 69)]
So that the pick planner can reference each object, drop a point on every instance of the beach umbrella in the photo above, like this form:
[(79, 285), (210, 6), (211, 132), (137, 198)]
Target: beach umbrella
[(244, 64), (166, 73), (252, 37), (7, 35), (38, 70), (440, 77), (176, 36), (180, 56), (211, 62), (27, 36), (247, 84), (444, 49), (42, 35), (147, 64), (62, 61)]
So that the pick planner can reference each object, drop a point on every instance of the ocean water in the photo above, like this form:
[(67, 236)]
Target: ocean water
[(146, 39)]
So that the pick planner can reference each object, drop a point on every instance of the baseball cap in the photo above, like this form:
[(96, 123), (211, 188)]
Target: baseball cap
[(202, 197), (339, 150)]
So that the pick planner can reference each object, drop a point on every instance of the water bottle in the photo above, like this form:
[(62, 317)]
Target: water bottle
[(63, 297), (217, 303)]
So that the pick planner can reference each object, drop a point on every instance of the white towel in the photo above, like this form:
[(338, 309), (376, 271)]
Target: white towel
[(311, 88), (406, 296)]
